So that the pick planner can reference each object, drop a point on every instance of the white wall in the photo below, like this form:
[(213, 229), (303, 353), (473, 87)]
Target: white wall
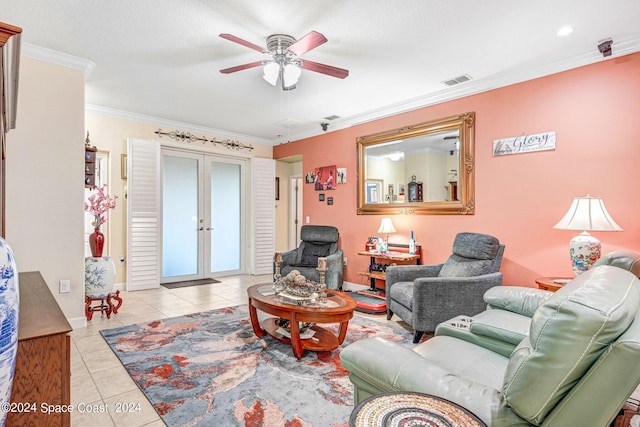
[(45, 179)]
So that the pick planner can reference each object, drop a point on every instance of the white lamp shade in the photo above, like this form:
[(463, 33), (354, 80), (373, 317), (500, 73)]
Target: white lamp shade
[(386, 226), (587, 214), (271, 71), (291, 74)]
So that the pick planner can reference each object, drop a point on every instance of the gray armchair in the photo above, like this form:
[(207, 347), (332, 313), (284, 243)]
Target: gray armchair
[(316, 241), (426, 295)]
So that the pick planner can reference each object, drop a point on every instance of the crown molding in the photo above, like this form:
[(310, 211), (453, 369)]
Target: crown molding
[(126, 115), (59, 58), (521, 74)]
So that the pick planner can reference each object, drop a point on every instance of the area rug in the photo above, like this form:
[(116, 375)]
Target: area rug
[(210, 369), (187, 283)]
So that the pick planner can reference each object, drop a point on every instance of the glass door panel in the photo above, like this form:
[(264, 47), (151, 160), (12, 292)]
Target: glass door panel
[(225, 214), (181, 246)]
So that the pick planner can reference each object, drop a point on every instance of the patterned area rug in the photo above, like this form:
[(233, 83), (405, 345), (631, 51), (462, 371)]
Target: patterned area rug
[(209, 369)]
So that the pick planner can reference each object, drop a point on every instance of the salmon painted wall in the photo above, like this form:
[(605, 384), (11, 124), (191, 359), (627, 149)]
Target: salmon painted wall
[(594, 111)]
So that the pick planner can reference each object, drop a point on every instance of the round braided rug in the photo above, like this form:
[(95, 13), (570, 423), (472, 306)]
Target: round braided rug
[(406, 409)]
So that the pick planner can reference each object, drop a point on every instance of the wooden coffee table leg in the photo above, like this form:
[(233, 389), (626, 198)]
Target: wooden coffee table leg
[(255, 322), (296, 342), (342, 332)]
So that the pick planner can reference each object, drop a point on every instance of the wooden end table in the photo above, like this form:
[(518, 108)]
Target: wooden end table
[(552, 283), (339, 308)]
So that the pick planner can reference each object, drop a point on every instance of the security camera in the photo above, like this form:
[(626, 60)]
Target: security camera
[(604, 47), (324, 126)]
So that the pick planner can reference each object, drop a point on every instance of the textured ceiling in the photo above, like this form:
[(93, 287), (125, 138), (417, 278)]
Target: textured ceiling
[(161, 58)]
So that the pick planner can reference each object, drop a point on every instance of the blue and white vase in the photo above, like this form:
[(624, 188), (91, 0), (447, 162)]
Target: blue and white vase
[(9, 307), (99, 276)]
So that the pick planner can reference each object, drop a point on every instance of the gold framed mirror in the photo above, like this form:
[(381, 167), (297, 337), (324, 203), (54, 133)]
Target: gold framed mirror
[(425, 169)]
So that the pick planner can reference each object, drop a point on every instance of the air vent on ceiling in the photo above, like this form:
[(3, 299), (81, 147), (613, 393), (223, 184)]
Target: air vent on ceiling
[(333, 117), (457, 80)]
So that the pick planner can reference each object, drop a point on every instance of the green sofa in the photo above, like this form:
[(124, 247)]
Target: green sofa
[(576, 365)]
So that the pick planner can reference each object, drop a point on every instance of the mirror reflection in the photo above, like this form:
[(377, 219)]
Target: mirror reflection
[(417, 169)]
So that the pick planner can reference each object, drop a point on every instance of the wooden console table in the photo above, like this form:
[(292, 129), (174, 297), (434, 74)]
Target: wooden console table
[(43, 362), (393, 256)]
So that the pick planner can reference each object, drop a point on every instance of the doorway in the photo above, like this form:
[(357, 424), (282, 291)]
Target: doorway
[(202, 216)]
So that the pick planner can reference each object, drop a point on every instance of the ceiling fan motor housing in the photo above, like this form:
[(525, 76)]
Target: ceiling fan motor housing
[(277, 44)]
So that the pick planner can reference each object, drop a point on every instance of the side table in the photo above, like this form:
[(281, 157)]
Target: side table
[(552, 283), (99, 278), (411, 409)]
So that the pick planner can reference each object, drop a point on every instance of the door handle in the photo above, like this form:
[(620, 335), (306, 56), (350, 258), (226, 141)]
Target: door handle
[(209, 228), (201, 228)]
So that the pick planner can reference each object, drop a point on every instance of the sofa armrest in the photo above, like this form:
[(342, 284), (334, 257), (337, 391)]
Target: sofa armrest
[(518, 299)]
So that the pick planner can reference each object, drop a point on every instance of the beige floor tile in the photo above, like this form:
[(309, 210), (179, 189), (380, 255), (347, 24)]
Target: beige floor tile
[(97, 361), (83, 389), (131, 409), (91, 414), (113, 381)]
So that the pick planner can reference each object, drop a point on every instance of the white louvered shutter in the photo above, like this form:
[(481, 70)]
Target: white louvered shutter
[(264, 214), (143, 215)]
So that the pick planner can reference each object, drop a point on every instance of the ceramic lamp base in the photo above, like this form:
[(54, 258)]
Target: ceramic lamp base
[(585, 251)]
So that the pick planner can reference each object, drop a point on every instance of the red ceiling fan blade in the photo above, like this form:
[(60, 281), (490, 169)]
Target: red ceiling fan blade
[(241, 67), (243, 42), (307, 42), (340, 73)]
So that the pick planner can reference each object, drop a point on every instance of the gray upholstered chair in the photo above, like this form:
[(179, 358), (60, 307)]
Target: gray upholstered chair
[(316, 241), (426, 295)]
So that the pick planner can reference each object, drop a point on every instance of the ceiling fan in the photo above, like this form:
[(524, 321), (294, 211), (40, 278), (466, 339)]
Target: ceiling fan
[(285, 63)]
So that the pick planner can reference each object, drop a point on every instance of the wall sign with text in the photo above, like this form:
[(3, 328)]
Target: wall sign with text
[(524, 144)]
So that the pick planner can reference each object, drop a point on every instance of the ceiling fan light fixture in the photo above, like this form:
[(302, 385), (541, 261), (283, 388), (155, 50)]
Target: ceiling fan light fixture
[(271, 71), (290, 74)]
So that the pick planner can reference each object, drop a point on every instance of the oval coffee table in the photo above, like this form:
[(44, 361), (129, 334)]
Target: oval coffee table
[(338, 309)]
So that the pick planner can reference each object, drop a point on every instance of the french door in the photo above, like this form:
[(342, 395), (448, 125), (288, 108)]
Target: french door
[(202, 216)]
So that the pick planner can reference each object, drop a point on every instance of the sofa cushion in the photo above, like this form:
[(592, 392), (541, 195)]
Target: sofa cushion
[(312, 251), (458, 266), (569, 331)]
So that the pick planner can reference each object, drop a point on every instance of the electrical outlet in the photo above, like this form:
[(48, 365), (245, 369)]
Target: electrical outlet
[(65, 286), (308, 218), (344, 260)]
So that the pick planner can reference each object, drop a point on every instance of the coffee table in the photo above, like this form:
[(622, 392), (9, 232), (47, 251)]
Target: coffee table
[(339, 308)]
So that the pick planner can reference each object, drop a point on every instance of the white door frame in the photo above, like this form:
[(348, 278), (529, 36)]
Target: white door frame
[(295, 210)]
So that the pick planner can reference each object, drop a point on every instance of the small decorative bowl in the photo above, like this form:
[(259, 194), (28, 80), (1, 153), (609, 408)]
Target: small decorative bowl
[(301, 290)]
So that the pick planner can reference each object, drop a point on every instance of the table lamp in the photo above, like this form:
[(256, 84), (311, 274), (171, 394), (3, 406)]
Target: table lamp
[(586, 214), (386, 227)]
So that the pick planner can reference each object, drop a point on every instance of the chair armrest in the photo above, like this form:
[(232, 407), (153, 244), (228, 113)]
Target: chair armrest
[(517, 299), (290, 257), (335, 259), (437, 299), (409, 273)]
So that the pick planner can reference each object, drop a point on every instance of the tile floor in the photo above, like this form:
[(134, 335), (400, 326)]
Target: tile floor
[(98, 379)]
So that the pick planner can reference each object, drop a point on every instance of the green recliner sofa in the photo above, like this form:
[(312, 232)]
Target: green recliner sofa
[(576, 366), (507, 319)]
